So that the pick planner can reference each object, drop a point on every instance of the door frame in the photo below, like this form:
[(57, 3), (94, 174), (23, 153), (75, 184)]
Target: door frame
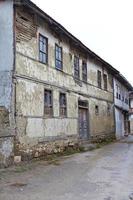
[(86, 107)]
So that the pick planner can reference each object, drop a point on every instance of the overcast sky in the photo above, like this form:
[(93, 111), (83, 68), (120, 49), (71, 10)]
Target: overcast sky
[(105, 26)]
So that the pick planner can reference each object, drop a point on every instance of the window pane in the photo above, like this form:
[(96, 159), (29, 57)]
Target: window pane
[(43, 49), (76, 67), (84, 71), (62, 104), (48, 107), (58, 57)]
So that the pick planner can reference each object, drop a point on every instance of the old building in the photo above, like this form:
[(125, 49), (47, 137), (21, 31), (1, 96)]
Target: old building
[(54, 90), (131, 111), (121, 101)]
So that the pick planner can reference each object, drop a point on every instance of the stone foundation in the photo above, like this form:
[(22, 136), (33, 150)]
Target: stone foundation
[(43, 149), (103, 138), (6, 151)]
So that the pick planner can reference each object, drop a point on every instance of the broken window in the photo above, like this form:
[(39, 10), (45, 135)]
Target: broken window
[(96, 110), (63, 105), (105, 81), (76, 67), (48, 103), (99, 79), (58, 57), (43, 49), (84, 71)]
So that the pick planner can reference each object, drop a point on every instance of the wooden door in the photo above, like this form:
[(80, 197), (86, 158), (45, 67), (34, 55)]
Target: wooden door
[(83, 123)]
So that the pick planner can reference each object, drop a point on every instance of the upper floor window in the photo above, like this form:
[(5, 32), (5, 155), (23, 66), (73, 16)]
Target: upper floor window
[(105, 81), (63, 105), (84, 71), (118, 92), (99, 79), (76, 67), (43, 49), (48, 103), (58, 57), (126, 100)]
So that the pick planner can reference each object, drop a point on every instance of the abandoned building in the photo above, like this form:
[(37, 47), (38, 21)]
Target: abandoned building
[(54, 91)]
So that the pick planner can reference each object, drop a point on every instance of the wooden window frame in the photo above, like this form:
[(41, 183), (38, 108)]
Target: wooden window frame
[(76, 67), (63, 107), (43, 52), (57, 59), (105, 79), (48, 106), (84, 71), (99, 79)]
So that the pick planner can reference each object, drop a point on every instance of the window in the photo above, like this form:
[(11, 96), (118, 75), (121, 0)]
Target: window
[(48, 103), (43, 49), (99, 79), (105, 81), (126, 100), (76, 67), (118, 95), (84, 71), (108, 109), (63, 107), (96, 110), (58, 57)]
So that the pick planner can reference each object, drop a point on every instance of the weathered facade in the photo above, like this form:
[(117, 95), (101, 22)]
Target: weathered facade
[(131, 112), (59, 92), (121, 101)]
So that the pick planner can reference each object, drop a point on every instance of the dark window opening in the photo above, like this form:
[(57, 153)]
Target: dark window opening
[(96, 110), (63, 105), (105, 81), (83, 104), (108, 110), (76, 67), (84, 71), (58, 57), (126, 100), (48, 103), (43, 49), (99, 79)]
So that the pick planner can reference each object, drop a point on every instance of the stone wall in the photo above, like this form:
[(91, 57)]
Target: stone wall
[(6, 151)]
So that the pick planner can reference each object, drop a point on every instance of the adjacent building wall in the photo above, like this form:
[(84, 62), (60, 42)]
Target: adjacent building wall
[(6, 67), (121, 100)]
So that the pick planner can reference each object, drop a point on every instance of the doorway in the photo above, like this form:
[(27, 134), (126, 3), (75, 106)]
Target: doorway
[(83, 120)]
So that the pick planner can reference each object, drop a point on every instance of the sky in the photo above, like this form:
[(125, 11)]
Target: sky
[(104, 26)]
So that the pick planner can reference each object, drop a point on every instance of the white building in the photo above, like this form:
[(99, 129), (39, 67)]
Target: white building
[(121, 102)]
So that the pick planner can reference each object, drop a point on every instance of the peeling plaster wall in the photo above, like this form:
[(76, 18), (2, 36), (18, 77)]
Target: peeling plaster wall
[(6, 48), (6, 67), (32, 77)]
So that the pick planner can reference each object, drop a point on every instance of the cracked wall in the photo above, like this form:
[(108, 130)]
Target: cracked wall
[(32, 77)]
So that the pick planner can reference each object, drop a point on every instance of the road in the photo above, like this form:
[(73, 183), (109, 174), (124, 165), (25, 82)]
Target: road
[(102, 174)]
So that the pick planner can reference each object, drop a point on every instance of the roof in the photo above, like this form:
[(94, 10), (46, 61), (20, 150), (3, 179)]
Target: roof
[(59, 28)]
